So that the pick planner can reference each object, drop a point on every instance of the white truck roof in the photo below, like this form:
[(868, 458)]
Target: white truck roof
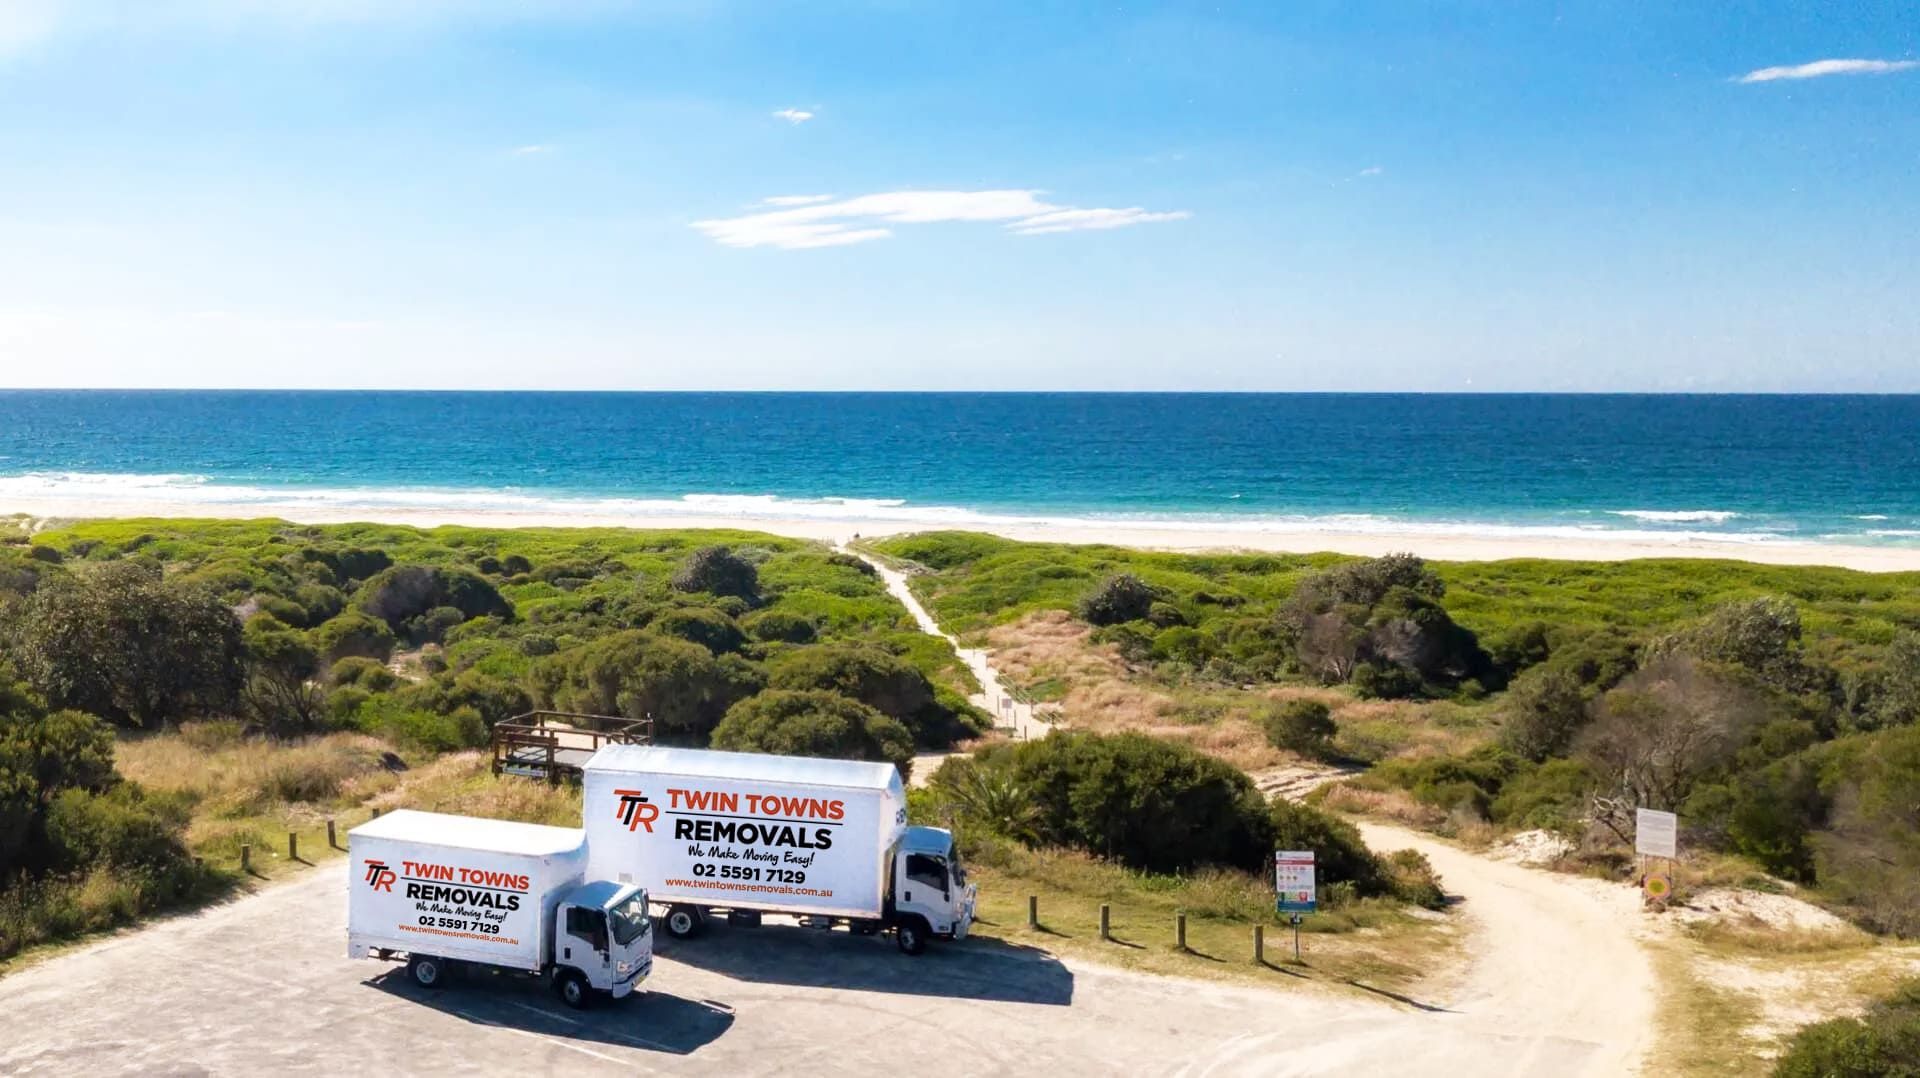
[(746, 766), (472, 833)]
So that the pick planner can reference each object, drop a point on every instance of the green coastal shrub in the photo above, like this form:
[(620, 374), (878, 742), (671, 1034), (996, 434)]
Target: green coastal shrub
[(782, 626), (875, 677), (403, 593), (368, 674), (387, 716), (682, 686), (1301, 726), (704, 626), (814, 723), (1544, 710), (80, 848), (1883, 1043), (355, 634), (121, 642), (1554, 795), (1151, 804), (1121, 597), (717, 570)]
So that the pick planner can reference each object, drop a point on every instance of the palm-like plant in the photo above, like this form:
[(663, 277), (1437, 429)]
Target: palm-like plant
[(995, 799)]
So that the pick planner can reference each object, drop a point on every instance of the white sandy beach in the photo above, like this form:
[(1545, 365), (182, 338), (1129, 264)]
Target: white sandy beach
[(1599, 546)]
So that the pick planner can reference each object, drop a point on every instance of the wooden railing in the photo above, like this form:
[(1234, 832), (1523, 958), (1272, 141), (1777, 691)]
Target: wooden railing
[(553, 744)]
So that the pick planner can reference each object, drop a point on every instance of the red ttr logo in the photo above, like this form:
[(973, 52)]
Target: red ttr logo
[(636, 811), (380, 877)]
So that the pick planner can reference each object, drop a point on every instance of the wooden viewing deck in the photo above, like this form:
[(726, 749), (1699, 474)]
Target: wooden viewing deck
[(555, 745)]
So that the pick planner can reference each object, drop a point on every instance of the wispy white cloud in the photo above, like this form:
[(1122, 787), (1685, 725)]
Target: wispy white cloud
[(822, 222), (1091, 220), (795, 200), (532, 148), (1821, 68), (1373, 170), (794, 116)]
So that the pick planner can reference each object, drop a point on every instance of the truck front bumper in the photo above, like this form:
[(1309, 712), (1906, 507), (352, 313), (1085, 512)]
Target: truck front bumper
[(627, 984)]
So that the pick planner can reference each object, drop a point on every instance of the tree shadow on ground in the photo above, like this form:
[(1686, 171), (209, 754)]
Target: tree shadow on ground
[(977, 968), (646, 1021)]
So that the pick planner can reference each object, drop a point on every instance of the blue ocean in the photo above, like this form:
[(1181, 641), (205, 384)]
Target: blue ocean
[(1833, 469)]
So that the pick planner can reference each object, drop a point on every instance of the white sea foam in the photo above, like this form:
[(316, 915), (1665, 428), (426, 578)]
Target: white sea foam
[(1677, 516), (106, 493)]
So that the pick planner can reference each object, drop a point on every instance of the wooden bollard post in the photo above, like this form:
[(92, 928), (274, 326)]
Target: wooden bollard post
[(293, 846), (1106, 912), (331, 843), (246, 857), (1033, 911), (1180, 931), (1260, 944)]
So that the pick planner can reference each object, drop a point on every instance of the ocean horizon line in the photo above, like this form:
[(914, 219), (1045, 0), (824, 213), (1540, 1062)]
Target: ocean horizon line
[(335, 391)]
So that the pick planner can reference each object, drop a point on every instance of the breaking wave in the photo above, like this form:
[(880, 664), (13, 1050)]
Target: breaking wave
[(69, 493)]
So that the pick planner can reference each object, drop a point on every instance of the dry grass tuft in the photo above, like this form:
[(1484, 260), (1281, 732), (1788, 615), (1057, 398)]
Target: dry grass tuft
[(1395, 805), (1052, 657), (462, 783), (234, 776)]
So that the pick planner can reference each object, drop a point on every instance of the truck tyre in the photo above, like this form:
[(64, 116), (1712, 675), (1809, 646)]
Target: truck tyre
[(573, 990), (911, 935), (427, 971), (685, 922)]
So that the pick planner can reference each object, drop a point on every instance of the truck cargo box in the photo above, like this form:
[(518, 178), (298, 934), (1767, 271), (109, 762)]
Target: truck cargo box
[(459, 887), (786, 834)]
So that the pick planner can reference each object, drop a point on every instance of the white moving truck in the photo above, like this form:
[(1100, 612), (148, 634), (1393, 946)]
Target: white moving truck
[(743, 834), (454, 891)]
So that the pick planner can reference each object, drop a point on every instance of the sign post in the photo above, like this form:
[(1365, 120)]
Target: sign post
[(1657, 834), (1293, 880)]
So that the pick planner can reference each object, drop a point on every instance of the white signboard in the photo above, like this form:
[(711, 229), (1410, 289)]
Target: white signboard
[(1656, 833), (1293, 879)]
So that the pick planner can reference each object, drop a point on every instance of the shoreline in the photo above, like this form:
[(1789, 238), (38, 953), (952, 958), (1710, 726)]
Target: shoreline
[(1278, 539)]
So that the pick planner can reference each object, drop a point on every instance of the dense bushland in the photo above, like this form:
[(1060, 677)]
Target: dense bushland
[(1774, 707), (81, 848), (422, 639), (147, 623)]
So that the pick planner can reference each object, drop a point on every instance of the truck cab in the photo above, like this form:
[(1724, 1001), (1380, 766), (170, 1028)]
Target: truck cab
[(602, 941), (930, 892)]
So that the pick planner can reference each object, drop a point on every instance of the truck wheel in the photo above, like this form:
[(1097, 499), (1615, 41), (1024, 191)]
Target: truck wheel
[(911, 935), (427, 971), (573, 990), (684, 922)]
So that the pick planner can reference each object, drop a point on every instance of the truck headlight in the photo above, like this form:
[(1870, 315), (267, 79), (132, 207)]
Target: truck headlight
[(623, 967)]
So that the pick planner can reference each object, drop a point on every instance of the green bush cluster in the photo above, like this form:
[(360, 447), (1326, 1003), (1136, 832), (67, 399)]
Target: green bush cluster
[(814, 722), (152, 622), (1883, 1043), (1157, 806), (1302, 726), (66, 817)]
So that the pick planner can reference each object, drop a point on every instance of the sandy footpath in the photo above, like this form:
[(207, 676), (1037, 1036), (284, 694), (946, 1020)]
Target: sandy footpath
[(1448, 547)]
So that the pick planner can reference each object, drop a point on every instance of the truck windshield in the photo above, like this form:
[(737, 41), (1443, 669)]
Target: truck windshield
[(959, 870), (629, 919)]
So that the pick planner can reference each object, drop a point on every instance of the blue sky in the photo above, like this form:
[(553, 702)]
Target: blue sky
[(1313, 196)]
